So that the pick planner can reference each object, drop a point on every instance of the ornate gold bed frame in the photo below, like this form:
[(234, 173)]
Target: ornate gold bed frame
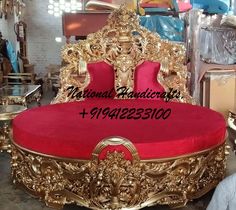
[(115, 182)]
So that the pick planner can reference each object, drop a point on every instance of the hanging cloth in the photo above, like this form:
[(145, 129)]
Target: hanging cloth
[(212, 6), (167, 27), (12, 57)]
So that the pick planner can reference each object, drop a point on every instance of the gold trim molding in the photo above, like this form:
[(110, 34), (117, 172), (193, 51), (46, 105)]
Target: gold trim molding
[(115, 182), (124, 44)]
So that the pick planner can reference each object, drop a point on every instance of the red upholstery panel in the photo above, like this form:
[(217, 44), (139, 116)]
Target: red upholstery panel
[(60, 130), (101, 77), (146, 77)]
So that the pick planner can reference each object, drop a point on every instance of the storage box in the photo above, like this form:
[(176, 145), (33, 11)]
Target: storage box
[(218, 90)]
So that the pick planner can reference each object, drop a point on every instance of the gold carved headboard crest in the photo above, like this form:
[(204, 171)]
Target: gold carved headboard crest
[(124, 44)]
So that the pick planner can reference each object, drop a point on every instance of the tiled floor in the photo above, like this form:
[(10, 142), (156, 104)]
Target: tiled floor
[(12, 198)]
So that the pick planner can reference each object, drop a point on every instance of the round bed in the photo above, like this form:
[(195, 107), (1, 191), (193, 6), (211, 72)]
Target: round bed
[(62, 155), (127, 153)]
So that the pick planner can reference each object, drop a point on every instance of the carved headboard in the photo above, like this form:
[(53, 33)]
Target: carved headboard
[(124, 44)]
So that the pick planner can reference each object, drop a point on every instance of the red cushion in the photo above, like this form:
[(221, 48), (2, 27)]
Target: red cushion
[(101, 78), (60, 130), (146, 78)]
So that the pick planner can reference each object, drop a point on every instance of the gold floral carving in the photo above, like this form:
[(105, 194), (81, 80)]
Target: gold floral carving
[(5, 137), (124, 44), (116, 182)]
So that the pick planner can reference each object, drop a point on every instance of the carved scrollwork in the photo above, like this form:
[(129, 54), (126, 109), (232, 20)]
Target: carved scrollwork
[(5, 137), (124, 44), (115, 182)]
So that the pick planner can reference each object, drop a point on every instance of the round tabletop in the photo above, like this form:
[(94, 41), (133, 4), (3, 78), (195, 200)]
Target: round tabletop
[(8, 112), (72, 130)]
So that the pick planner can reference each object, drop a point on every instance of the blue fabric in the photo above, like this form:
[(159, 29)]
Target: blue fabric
[(167, 27), (12, 56), (155, 9), (159, 9), (212, 6)]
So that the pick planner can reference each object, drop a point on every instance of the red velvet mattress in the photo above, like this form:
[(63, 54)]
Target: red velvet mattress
[(60, 129)]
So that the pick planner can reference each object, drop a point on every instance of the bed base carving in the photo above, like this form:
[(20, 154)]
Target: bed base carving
[(116, 182)]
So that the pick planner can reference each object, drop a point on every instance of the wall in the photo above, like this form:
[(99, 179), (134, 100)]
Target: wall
[(4, 27), (42, 29)]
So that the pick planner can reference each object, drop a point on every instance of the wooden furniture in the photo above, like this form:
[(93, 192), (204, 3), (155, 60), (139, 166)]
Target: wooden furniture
[(19, 78), (25, 66), (5, 66), (20, 94), (52, 77), (7, 113), (24, 78), (29, 68), (218, 90)]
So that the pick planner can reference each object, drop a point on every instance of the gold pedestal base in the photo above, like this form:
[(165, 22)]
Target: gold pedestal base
[(115, 182), (5, 137), (7, 114)]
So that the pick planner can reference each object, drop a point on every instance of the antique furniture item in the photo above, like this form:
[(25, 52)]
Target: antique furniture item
[(20, 94), (52, 78), (7, 113), (222, 53), (104, 153), (19, 78), (218, 90)]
